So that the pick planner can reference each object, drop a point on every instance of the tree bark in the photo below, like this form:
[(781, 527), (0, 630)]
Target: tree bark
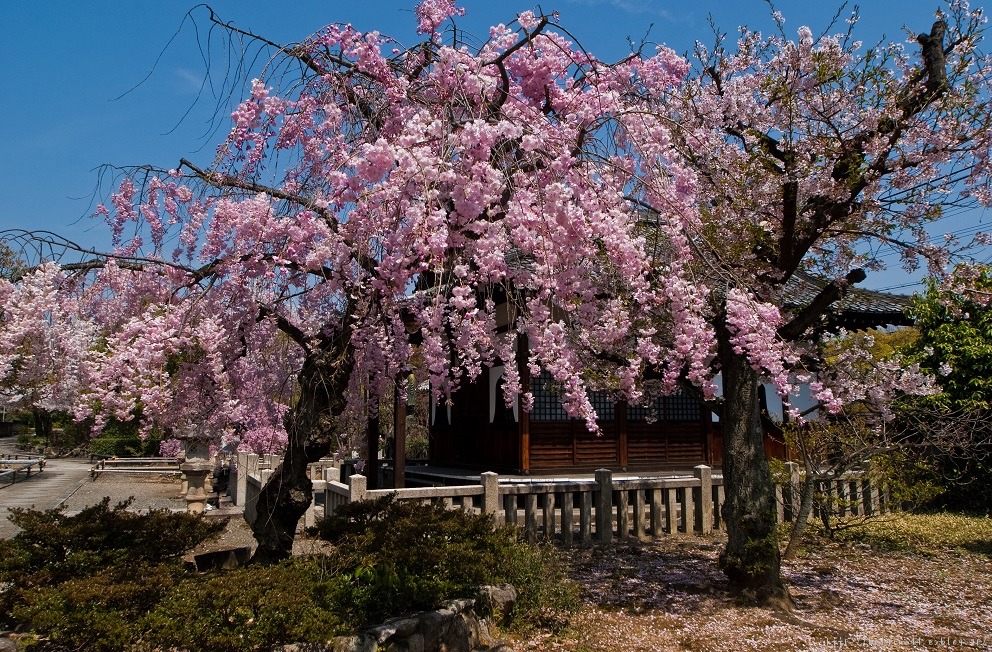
[(43, 424), (286, 496), (751, 559), (802, 518)]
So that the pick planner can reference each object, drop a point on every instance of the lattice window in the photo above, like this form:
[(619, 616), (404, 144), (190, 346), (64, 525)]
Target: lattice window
[(651, 413), (676, 407), (604, 406), (682, 407), (547, 399)]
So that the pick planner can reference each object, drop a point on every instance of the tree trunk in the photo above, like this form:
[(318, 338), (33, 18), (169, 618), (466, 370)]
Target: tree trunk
[(751, 559), (42, 424), (286, 496), (802, 518)]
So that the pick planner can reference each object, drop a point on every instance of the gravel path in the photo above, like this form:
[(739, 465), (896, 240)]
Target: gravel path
[(150, 491), (66, 482)]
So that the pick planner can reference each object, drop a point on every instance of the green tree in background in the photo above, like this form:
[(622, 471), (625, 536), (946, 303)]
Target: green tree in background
[(955, 345)]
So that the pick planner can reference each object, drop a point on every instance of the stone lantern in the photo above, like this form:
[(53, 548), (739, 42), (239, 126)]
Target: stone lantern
[(196, 467)]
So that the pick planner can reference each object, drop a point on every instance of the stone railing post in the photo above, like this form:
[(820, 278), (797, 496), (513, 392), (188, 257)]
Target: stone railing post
[(604, 506), (241, 479), (795, 490), (490, 493), (703, 501), (357, 487)]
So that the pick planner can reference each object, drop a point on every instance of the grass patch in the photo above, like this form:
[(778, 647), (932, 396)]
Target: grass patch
[(927, 534)]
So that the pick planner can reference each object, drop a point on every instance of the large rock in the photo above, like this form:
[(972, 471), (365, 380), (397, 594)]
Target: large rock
[(496, 603)]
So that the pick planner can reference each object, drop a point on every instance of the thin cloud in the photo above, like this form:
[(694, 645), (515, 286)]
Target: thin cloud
[(189, 82), (635, 7)]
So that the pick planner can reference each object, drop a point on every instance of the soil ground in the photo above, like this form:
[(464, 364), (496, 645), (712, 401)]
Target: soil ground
[(668, 594)]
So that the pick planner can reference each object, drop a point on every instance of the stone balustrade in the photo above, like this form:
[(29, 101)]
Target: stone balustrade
[(586, 510)]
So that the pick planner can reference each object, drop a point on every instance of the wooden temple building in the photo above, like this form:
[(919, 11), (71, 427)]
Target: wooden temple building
[(477, 431)]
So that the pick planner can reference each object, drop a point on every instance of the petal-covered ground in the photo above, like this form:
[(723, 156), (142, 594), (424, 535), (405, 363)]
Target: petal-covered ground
[(669, 594)]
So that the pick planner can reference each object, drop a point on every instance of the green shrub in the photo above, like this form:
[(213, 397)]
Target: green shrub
[(249, 608), (546, 597), (100, 612), (107, 579), (406, 556), (123, 440), (418, 448), (53, 548)]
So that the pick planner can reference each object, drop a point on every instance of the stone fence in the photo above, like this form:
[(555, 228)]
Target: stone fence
[(577, 510), (19, 466), (158, 465)]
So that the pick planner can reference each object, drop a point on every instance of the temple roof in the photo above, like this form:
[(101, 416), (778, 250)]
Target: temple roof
[(859, 308)]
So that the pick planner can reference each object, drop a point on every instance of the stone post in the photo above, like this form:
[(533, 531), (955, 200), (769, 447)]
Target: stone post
[(703, 517), (241, 479), (795, 489), (604, 506), (490, 493), (357, 487), (183, 481)]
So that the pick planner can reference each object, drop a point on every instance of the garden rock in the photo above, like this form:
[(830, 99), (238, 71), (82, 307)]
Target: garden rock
[(496, 602)]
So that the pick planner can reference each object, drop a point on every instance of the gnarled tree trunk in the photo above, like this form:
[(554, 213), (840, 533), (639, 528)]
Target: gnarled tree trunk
[(286, 496), (751, 559)]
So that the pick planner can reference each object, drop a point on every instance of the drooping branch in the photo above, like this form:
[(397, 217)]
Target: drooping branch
[(503, 91), (295, 52), (830, 293), (287, 327), (220, 180)]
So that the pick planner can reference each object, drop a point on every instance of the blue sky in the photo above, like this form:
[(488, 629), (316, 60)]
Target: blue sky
[(77, 91)]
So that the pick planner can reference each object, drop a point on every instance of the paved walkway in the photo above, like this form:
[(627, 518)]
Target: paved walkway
[(47, 490)]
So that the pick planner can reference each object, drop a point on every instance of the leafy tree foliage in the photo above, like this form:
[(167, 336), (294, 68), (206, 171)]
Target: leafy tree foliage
[(955, 344)]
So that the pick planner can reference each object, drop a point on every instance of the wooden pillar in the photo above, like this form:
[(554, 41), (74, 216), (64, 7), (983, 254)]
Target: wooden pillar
[(399, 433), (621, 409), (372, 461), (706, 426), (523, 456)]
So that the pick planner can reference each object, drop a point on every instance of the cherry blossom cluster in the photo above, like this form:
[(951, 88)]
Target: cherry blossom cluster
[(753, 327), (43, 341), (518, 199), (431, 14)]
